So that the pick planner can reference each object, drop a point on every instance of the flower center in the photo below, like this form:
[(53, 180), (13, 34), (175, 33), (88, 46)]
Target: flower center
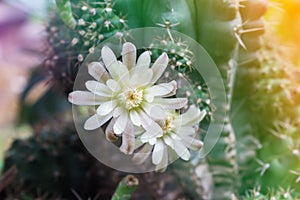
[(168, 126), (133, 98)]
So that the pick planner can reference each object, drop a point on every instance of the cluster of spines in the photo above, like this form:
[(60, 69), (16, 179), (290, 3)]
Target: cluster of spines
[(280, 193), (69, 46), (181, 67), (179, 54), (97, 22)]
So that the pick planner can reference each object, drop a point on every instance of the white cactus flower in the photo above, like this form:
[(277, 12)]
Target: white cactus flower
[(126, 92), (179, 135)]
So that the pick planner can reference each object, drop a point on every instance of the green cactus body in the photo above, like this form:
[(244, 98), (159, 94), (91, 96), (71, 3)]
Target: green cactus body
[(251, 30), (170, 14), (213, 27), (264, 83), (280, 143), (69, 44), (46, 161), (280, 193), (65, 11), (125, 188)]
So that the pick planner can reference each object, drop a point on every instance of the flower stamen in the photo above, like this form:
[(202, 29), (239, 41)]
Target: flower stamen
[(132, 98), (168, 126)]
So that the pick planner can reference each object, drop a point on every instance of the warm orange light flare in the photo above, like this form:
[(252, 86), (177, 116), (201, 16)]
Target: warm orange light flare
[(284, 16)]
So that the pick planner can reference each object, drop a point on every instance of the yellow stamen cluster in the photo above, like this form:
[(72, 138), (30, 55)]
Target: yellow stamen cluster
[(168, 126), (133, 98)]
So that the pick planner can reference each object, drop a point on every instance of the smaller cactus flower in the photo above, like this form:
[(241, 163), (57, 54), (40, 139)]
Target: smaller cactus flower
[(126, 92), (179, 135)]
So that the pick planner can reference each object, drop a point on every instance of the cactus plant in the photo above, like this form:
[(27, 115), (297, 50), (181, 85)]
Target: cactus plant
[(251, 30), (32, 154), (74, 34), (246, 155), (265, 84), (53, 164), (211, 23)]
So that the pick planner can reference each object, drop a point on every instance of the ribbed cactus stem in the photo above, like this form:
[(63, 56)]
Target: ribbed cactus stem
[(194, 177), (65, 12), (223, 158)]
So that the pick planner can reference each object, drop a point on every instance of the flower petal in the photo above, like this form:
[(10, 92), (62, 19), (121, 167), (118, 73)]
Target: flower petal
[(112, 65), (192, 116), (171, 103), (202, 114), (175, 136), (85, 98), (149, 97), (113, 85), (97, 71), (144, 61), (192, 143), (135, 118), (153, 130), (172, 155), (106, 107), (128, 139), (117, 112), (168, 140), (142, 155), (162, 166), (108, 57), (173, 92), (98, 88), (154, 111), (149, 137), (138, 130), (109, 132), (185, 130), (129, 55), (181, 150), (159, 67), (123, 74), (141, 78), (157, 154), (162, 89), (121, 123), (96, 121)]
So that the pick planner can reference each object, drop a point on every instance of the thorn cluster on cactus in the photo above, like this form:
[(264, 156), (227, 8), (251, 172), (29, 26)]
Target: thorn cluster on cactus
[(68, 46)]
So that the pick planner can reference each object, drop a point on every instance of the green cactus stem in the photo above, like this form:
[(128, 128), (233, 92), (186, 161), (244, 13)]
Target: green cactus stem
[(65, 12), (126, 188), (69, 45)]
